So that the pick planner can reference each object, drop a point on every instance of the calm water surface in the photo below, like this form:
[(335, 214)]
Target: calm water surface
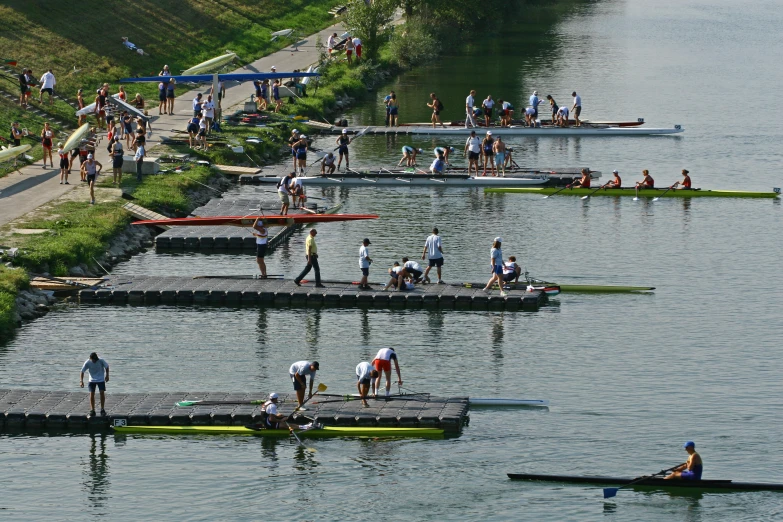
[(629, 377)]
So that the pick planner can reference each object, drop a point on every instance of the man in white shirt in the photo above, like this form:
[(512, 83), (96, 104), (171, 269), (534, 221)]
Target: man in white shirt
[(298, 373), (364, 263), (365, 374), (139, 158), (534, 101), (331, 42), (358, 46), (382, 364), (470, 101), (473, 150), (197, 105), (262, 237), (411, 269), (434, 251), (99, 376), (47, 86), (577, 108), (208, 113)]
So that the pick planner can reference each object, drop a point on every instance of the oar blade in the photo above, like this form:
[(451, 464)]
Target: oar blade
[(610, 492), (655, 199), (585, 197), (321, 387)]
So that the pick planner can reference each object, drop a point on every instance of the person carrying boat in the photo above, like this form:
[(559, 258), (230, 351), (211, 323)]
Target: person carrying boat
[(327, 164), (534, 102), (616, 182), (382, 364), (693, 467), (470, 101), (585, 180), (284, 191), (411, 269), (486, 146), (262, 238), (443, 151), (577, 109), (553, 106), (511, 270), (496, 263), (342, 148), (437, 166), (499, 148), (437, 106), (685, 184), (298, 373), (365, 374), (647, 182), (409, 156), (487, 106), (473, 150)]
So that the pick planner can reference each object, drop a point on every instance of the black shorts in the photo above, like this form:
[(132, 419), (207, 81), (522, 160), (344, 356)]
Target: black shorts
[(202, 132), (415, 273), (170, 95), (365, 271), (82, 158), (473, 155), (116, 162), (436, 262), (91, 178), (128, 129), (17, 142), (297, 384), (192, 129), (64, 163), (48, 90), (260, 250), (162, 96), (488, 153), (109, 118), (436, 112), (197, 113), (578, 111), (101, 386), (365, 381), (488, 113), (23, 88), (509, 277), (343, 149)]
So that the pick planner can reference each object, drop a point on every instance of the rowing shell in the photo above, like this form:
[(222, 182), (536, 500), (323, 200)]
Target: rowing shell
[(491, 403), (597, 289), (528, 131), (653, 483), (247, 221), (14, 151), (75, 139), (422, 179), (210, 64), (645, 193), (326, 431)]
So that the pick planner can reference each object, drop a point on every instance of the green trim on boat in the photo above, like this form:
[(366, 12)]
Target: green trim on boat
[(630, 192), (326, 431)]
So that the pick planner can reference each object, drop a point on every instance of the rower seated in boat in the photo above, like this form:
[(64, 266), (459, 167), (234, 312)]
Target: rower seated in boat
[(616, 182), (647, 182), (693, 467), (584, 181), (685, 184), (272, 420), (437, 166)]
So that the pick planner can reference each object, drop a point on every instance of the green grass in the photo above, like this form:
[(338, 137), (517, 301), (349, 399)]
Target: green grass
[(11, 281)]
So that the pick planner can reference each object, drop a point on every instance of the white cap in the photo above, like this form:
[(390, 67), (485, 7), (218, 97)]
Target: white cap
[(273, 67), (294, 131), (420, 150), (302, 136), (345, 131), (273, 395), (89, 156), (489, 133), (615, 171), (535, 93), (499, 239)]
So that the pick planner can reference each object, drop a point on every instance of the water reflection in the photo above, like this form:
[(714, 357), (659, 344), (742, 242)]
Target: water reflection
[(96, 481), (497, 336)]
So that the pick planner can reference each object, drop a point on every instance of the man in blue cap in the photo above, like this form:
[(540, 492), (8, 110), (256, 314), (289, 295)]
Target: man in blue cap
[(692, 468)]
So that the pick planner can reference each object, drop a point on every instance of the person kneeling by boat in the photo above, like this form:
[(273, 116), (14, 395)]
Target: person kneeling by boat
[(647, 182), (693, 467), (327, 164), (584, 181), (409, 156), (685, 184), (511, 270), (365, 374), (395, 272), (444, 151), (437, 166), (411, 269)]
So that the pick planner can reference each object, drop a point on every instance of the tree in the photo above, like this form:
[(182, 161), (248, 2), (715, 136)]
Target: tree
[(370, 22)]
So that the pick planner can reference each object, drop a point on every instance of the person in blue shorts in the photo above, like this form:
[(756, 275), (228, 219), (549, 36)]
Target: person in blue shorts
[(409, 156), (365, 374), (496, 263), (693, 467), (99, 376)]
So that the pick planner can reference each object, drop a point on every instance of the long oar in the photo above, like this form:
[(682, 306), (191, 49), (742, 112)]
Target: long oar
[(321, 388), (636, 198), (611, 492), (596, 190), (559, 191), (656, 198)]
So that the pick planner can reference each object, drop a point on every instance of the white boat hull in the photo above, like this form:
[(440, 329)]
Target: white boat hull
[(409, 180), (474, 402), (529, 131)]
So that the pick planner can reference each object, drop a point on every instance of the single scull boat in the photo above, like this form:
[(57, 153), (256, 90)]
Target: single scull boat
[(326, 431), (652, 483)]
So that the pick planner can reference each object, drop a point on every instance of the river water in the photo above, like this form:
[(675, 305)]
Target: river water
[(629, 377)]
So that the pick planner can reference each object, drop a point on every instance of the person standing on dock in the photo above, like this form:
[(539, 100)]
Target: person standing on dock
[(311, 253), (342, 148), (364, 263), (534, 101), (436, 107), (365, 374), (284, 191), (499, 148), (434, 251), (487, 106), (262, 238), (487, 146), (99, 376), (382, 364), (577, 109), (292, 140), (496, 263), (473, 150), (692, 469), (298, 373), (394, 110), (386, 104), (553, 106), (470, 101)]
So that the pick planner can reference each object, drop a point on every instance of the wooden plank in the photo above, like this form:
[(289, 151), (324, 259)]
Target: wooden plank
[(41, 283), (237, 171), (140, 212)]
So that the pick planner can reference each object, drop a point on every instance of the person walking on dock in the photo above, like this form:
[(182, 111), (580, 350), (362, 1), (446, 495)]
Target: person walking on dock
[(364, 263), (382, 364), (434, 251), (311, 253), (365, 374), (262, 237), (99, 376), (496, 263), (470, 101), (436, 107), (298, 373)]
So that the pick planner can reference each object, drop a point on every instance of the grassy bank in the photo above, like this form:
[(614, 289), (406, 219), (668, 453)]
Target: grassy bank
[(10, 113), (11, 281)]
